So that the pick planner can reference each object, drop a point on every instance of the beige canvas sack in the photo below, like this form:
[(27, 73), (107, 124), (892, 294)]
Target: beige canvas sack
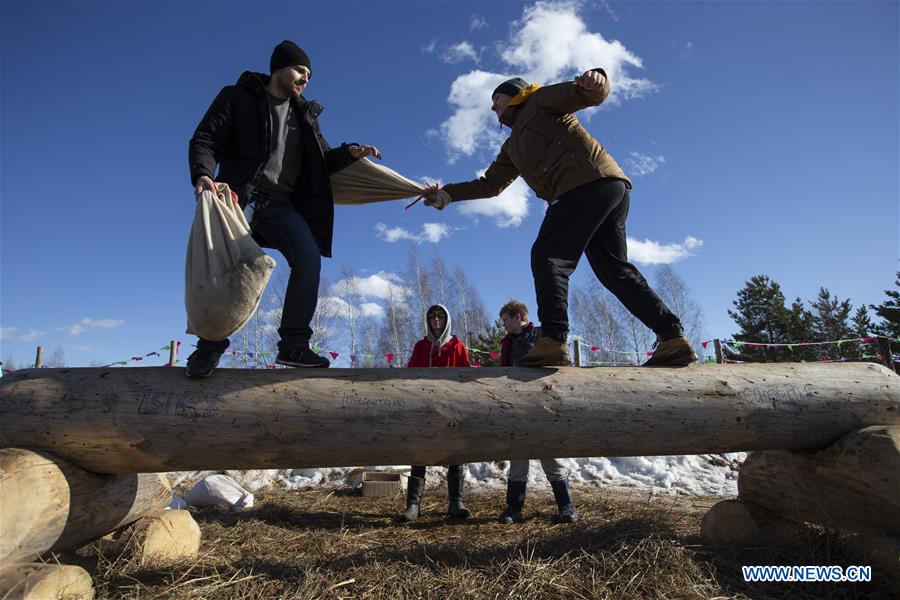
[(226, 271), (365, 181)]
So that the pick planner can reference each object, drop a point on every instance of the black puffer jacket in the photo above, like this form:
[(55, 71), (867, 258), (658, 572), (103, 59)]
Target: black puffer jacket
[(235, 133)]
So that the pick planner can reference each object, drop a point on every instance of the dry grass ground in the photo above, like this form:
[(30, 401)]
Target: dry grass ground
[(335, 544)]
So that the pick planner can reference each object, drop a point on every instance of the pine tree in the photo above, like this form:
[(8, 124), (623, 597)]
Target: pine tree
[(762, 316), (798, 328), (889, 312), (489, 341), (831, 322)]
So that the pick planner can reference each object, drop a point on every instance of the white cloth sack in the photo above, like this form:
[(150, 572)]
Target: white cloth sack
[(365, 181), (220, 490), (226, 271), (177, 503)]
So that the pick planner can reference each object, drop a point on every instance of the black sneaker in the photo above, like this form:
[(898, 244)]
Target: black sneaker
[(301, 357), (202, 363)]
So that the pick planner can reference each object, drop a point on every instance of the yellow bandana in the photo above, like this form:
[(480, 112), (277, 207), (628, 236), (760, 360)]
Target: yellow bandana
[(524, 94)]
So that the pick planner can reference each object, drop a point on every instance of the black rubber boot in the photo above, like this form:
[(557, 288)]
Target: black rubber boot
[(515, 501), (567, 512), (456, 508), (414, 488)]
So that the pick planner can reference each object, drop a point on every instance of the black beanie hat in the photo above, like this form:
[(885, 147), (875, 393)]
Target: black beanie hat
[(288, 54), (511, 87)]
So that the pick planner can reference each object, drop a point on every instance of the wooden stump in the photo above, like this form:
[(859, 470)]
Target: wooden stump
[(36, 581), (48, 504), (853, 485), (728, 522), (165, 535)]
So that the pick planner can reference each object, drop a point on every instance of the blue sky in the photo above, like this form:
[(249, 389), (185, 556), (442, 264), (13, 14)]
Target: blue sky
[(761, 138)]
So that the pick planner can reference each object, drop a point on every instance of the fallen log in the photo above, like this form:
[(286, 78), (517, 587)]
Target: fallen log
[(48, 504), (853, 485), (127, 420)]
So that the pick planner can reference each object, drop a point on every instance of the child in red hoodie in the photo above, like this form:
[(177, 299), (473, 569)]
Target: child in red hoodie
[(437, 349)]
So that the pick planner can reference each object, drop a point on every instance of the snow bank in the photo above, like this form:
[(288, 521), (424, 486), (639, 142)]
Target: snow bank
[(703, 474)]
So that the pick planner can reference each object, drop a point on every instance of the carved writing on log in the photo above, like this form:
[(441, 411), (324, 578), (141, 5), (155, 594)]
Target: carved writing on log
[(780, 393), (185, 404), (356, 402)]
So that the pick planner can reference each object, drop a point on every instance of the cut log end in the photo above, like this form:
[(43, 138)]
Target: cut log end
[(35, 581), (169, 535), (728, 522)]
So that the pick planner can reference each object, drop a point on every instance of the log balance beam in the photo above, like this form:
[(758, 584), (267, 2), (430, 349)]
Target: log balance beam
[(145, 420)]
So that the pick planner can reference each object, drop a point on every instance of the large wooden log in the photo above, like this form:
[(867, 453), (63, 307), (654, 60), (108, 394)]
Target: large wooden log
[(852, 485), (155, 419), (48, 504)]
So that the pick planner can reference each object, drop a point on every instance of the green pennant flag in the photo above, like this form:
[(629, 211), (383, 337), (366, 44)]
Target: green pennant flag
[(840, 343), (738, 344), (166, 348), (790, 347)]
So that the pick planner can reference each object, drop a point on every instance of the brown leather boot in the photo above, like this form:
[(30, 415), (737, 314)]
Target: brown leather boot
[(676, 352), (546, 353)]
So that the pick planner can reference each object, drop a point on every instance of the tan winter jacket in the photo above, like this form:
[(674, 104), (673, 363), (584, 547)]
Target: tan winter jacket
[(548, 147)]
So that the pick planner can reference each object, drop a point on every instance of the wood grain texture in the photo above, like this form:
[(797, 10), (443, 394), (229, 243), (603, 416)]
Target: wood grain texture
[(48, 504), (853, 485), (133, 420)]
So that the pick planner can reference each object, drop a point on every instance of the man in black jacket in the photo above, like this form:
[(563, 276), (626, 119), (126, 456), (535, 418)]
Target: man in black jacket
[(265, 138)]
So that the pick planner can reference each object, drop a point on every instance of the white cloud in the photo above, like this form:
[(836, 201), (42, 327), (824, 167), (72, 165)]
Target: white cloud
[(550, 43), (430, 47), (478, 22), (88, 323), (643, 164), (653, 253), (460, 52), (431, 232), (370, 309), (508, 209), (687, 52), (381, 285), (9, 333)]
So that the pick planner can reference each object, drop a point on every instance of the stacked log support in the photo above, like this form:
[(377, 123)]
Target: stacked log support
[(38, 581), (852, 486), (47, 504)]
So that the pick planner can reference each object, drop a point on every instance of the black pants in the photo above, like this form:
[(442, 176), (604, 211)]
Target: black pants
[(283, 228), (590, 220), (419, 471)]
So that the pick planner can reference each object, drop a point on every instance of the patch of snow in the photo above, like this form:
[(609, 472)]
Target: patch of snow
[(702, 474)]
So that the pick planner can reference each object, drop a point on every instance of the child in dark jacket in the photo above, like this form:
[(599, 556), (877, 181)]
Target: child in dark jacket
[(437, 349)]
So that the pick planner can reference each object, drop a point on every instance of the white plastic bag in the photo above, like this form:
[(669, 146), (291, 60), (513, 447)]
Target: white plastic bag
[(226, 271), (220, 490)]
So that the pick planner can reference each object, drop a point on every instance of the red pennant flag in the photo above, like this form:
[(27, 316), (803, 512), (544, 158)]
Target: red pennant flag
[(476, 364), (594, 348), (705, 344), (494, 355), (649, 354), (390, 357), (137, 358), (334, 355)]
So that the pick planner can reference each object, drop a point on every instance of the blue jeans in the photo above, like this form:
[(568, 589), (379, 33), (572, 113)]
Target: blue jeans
[(282, 227)]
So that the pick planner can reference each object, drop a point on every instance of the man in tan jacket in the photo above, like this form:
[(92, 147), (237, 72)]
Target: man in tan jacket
[(587, 196)]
